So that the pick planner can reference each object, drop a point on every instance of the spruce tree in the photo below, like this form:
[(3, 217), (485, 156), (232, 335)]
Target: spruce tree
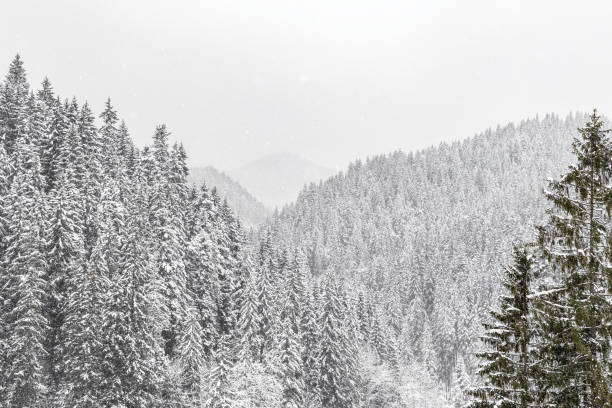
[(506, 365), (65, 259), (169, 237), (291, 369), (81, 348), (109, 138), (49, 107), (378, 338), (125, 150), (310, 333), (363, 318), (45, 94), (578, 310), (263, 288), (249, 343), (337, 384), (37, 125), (227, 269), (192, 359), (26, 382), (13, 104), (58, 130), (219, 394), (133, 360), (201, 282), (5, 176), (22, 284), (295, 289)]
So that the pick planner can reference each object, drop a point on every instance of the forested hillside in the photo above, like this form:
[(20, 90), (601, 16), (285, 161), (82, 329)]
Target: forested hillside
[(122, 286), (250, 210), (424, 235)]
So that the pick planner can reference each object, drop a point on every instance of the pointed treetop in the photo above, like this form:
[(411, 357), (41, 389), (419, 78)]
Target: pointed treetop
[(46, 93), (160, 145), (123, 127), (85, 107), (109, 115), (74, 104), (16, 69), (16, 84), (160, 138)]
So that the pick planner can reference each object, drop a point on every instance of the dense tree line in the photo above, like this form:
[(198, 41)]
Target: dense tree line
[(122, 285)]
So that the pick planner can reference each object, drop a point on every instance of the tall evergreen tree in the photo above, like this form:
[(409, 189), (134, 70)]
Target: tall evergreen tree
[(125, 149), (249, 344), (81, 334), (295, 289), (22, 285), (65, 256), (292, 373), (109, 138), (55, 151), (133, 360), (201, 282), (338, 387), (264, 333), (25, 377), (578, 313), (13, 104), (91, 188), (168, 193), (5, 175), (310, 332), (219, 394), (507, 364), (192, 358)]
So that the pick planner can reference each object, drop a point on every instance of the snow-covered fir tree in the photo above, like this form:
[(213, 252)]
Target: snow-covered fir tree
[(507, 364), (22, 281), (576, 323), (338, 387), (192, 359), (291, 372)]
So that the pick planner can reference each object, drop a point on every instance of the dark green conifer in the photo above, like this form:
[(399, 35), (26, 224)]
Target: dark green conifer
[(507, 364)]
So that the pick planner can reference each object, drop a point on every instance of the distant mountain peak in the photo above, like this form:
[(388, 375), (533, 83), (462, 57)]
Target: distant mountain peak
[(276, 179)]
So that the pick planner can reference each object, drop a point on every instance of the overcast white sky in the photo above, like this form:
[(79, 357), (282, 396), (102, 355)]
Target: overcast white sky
[(329, 80)]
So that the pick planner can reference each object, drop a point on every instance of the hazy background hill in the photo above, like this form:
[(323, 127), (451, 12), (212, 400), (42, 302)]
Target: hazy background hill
[(250, 210), (277, 179), (254, 190), (425, 234)]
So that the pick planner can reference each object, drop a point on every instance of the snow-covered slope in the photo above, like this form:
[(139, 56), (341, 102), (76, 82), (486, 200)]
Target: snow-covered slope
[(424, 234), (250, 210)]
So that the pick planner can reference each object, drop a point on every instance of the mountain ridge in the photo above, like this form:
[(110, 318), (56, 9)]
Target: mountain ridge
[(276, 179), (248, 208)]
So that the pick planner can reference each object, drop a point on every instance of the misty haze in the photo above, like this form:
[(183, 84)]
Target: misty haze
[(305, 205)]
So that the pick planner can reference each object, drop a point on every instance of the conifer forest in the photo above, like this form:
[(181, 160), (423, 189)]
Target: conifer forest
[(472, 274)]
